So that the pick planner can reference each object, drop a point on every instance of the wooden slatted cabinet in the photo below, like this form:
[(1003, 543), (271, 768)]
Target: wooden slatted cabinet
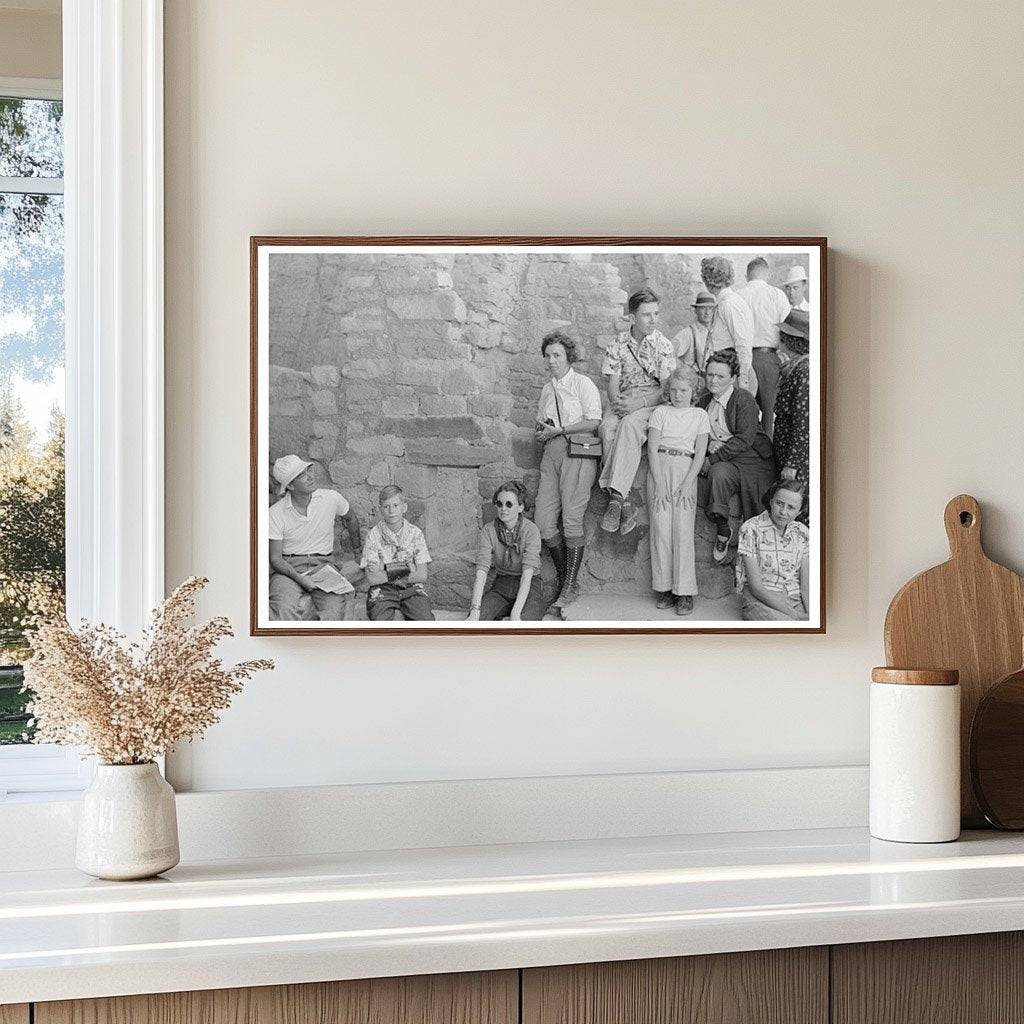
[(775, 986), (481, 998), (959, 979), (968, 979)]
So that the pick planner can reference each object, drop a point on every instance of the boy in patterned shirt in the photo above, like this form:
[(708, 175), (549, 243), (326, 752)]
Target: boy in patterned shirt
[(637, 364), (395, 558)]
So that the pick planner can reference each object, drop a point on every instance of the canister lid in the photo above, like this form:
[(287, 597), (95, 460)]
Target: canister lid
[(916, 676)]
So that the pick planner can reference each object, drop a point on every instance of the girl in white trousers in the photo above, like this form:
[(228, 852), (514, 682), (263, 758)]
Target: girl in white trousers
[(677, 442)]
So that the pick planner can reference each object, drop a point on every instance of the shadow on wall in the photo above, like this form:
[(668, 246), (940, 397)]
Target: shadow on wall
[(424, 370)]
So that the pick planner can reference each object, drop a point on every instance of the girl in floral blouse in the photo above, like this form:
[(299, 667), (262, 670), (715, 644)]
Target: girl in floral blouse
[(772, 570)]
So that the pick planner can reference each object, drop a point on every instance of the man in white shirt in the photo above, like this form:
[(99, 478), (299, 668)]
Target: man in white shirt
[(300, 528), (795, 287), (732, 323), (769, 307)]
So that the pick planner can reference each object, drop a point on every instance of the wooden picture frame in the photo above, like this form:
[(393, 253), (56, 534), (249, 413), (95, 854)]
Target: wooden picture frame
[(331, 316)]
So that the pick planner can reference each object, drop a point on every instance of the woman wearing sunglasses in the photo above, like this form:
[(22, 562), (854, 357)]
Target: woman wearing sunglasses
[(510, 548)]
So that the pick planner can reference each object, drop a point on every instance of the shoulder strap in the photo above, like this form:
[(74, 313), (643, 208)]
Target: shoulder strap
[(698, 348), (636, 359), (711, 325), (558, 407)]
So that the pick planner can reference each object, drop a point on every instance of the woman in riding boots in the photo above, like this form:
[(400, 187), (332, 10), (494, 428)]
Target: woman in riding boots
[(569, 404)]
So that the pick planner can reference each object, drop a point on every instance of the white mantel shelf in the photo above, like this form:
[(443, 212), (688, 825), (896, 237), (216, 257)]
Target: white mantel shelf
[(267, 922)]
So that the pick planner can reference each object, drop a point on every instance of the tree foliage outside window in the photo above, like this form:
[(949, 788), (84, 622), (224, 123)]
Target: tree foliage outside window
[(31, 242), (32, 555)]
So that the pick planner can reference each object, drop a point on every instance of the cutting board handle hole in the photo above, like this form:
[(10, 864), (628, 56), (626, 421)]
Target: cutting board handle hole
[(966, 519)]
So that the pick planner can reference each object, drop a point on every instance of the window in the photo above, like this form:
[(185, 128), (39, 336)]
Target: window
[(111, 205), (32, 531)]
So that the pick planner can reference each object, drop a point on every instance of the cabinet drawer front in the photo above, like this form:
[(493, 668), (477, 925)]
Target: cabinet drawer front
[(776, 986), (959, 979), (479, 998)]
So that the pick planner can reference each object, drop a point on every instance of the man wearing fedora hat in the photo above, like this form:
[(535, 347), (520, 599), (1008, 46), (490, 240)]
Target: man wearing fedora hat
[(692, 345), (300, 528), (795, 287)]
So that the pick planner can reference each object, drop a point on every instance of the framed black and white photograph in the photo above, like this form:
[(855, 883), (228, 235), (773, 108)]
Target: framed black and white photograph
[(538, 435)]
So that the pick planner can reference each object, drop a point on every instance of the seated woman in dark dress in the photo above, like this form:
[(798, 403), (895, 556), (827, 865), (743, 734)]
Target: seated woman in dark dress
[(739, 459), (510, 547), (791, 440)]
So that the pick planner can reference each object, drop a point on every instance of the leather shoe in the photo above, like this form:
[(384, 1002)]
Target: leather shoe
[(612, 516), (630, 517), (722, 545)]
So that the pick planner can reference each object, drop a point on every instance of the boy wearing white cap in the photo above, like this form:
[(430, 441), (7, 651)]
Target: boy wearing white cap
[(301, 531), (795, 287)]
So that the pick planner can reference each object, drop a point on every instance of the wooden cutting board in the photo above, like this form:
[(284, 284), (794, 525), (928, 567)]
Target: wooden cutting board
[(967, 614)]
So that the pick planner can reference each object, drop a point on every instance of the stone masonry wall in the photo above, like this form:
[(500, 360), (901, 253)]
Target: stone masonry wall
[(425, 371)]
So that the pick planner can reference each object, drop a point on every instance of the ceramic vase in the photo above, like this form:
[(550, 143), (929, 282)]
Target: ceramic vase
[(127, 825)]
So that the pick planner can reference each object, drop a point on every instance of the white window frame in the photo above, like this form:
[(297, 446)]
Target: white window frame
[(114, 328), (31, 89), (44, 767)]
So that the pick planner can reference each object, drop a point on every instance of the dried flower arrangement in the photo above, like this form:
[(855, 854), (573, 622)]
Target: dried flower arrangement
[(130, 703)]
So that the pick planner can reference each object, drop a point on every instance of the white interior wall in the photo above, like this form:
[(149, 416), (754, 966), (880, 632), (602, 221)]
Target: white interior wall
[(894, 129), (30, 39)]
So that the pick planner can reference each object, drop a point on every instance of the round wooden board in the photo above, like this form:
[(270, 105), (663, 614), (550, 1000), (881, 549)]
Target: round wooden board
[(997, 752)]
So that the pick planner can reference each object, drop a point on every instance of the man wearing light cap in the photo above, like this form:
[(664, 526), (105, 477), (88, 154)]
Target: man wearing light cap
[(300, 528), (795, 287)]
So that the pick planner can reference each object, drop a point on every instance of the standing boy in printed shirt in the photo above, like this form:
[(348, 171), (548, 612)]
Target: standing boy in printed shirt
[(395, 559), (637, 364)]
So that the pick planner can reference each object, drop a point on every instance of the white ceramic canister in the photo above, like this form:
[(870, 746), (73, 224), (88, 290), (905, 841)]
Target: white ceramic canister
[(915, 755), (127, 824)]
